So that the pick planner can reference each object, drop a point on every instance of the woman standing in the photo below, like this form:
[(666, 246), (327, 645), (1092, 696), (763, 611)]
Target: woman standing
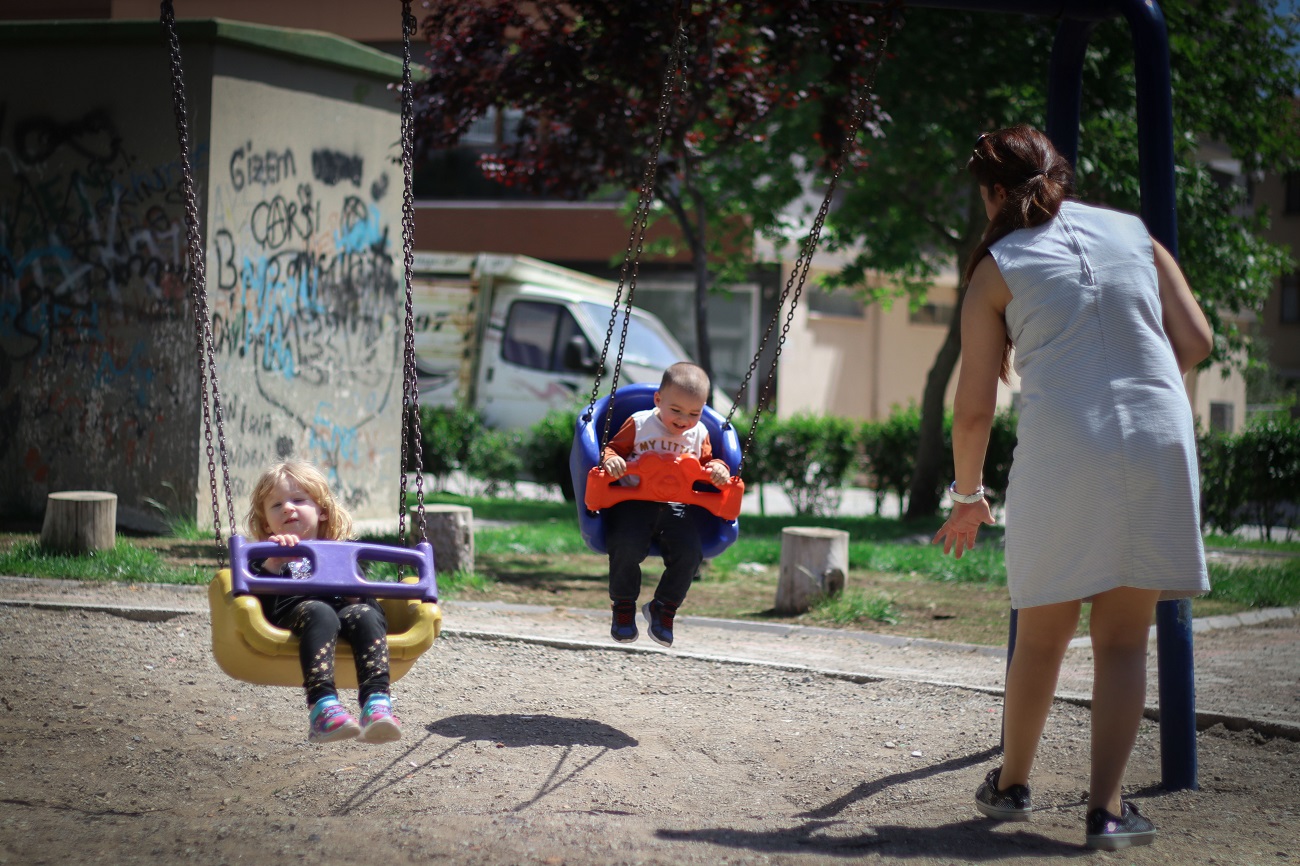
[(1103, 498)]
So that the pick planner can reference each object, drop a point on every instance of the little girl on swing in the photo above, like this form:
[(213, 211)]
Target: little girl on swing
[(292, 502)]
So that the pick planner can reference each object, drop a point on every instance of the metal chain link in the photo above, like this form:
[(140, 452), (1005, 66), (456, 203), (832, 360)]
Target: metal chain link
[(412, 444), (636, 237), (208, 381), (799, 272)]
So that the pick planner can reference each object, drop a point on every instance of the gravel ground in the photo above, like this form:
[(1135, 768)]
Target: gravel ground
[(124, 743)]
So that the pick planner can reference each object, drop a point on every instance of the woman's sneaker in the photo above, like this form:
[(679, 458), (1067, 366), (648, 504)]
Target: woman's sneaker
[(659, 621), (378, 724), (1109, 833), (1009, 804), (329, 721), (623, 626)]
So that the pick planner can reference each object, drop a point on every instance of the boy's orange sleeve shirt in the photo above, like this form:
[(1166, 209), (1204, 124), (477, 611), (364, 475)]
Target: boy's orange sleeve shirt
[(622, 443)]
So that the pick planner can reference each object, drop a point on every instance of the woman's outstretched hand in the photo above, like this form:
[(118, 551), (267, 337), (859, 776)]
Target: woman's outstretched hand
[(962, 525)]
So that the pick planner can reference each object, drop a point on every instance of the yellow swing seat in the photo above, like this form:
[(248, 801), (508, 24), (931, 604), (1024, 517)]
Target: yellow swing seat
[(249, 648)]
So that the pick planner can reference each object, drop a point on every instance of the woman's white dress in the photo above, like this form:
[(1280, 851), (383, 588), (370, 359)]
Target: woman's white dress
[(1104, 489)]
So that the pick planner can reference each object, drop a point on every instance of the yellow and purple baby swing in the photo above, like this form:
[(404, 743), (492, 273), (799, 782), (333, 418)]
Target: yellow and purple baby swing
[(244, 643)]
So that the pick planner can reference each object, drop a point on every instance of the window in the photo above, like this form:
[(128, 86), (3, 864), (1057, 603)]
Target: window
[(1289, 299), (1291, 206), (538, 334), (646, 346), (1221, 417), (840, 302), (933, 314)]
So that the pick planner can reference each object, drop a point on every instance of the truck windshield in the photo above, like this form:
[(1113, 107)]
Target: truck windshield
[(648, 345)]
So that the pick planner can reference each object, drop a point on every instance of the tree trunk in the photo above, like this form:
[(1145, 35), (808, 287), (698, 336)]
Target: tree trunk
[(924, 495), (80, 521), (814, 561)]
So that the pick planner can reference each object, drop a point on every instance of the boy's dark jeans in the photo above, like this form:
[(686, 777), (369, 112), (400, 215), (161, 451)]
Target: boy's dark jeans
[(631, 527)]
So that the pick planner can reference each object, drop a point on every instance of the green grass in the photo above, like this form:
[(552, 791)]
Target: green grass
[(1231, 542), (853, 606), (526, 510), (554, 538), (125, 562), (1257, 585)]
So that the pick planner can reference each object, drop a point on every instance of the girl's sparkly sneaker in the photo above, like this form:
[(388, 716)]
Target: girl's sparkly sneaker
[(378, 724), (329, 721)]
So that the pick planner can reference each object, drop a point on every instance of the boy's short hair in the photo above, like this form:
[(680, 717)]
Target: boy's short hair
[(688, 378), (338, 522)]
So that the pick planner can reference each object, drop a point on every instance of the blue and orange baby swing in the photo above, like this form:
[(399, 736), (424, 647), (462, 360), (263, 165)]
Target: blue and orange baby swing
[(245, 644), (681, 478), (247, 647)]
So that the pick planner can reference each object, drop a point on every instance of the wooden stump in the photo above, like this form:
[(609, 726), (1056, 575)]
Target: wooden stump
[(79, 521), (814, 562), (451, 532)]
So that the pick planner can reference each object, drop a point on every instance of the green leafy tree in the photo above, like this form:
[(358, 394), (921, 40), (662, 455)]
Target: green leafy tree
[(915, 210)]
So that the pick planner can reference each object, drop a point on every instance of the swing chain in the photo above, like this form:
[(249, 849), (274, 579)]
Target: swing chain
[(208, 381), (636, 237), (799, 271), (412, 445)]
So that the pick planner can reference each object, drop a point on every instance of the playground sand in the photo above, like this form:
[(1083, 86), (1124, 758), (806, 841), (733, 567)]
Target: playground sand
[(123, 743)]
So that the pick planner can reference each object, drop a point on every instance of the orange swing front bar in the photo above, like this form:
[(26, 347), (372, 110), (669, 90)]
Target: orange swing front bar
[(665, 478)]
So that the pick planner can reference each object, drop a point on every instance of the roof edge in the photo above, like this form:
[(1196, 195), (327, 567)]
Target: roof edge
[(313, 46)]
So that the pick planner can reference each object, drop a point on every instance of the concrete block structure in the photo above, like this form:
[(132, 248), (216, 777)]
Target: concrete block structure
[(294, 140)]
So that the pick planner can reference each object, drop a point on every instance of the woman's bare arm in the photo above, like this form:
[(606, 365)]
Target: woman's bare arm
[(1185, 324)]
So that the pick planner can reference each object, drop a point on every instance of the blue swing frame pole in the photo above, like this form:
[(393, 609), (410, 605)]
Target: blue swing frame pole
[(1177, 687)]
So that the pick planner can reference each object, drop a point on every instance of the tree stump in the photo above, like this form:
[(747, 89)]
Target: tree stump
[(451, 532), (814, 562), (79, 521)]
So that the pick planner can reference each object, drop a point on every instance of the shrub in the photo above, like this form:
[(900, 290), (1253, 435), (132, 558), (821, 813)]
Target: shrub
[(1252, 478), (495, 458), (546, 448), (889, 452), (445, 436), (810, 457)]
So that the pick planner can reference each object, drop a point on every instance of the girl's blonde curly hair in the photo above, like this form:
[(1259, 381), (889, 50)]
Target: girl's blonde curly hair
[(337, 525)]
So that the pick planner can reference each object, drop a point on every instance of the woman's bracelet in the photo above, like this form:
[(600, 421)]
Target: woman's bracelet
[(965, 498)]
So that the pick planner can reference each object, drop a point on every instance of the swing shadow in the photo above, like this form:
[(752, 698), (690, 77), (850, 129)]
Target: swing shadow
[(372, 787), (869, 789), (971, 839), (516, 730)]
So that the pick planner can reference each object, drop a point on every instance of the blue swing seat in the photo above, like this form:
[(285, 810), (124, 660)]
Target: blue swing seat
[(716, 533)]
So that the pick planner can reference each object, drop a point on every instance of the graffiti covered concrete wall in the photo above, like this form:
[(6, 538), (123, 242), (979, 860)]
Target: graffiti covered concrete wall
[(96, 349), (302, 222), (304, 251)]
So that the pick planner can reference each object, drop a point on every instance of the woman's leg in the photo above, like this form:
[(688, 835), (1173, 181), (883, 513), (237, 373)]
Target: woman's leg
[(365, 627), (317, 628), (1042, 635), (1120, 627)]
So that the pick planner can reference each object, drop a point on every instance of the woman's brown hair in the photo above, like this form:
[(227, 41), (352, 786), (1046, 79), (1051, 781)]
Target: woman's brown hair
[(1036, 179)]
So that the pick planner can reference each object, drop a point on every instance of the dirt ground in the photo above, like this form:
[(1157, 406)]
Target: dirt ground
[(123, 743)]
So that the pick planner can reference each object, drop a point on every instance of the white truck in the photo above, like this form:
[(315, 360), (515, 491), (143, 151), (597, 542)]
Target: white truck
[(515, 337)]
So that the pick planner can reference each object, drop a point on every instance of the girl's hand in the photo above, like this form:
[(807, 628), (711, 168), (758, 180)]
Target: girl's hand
[(719, 473), (963, 524), (275, 563), (616, 466)]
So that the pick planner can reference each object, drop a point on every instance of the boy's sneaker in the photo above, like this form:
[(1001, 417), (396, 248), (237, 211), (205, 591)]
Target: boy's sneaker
[(623, 628), (329, 721), (1109, 833), (659, 621), (378, 724), (1009, 804)]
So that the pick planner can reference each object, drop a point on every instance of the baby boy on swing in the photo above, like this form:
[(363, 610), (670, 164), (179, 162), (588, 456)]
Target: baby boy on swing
[(673, 427)]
